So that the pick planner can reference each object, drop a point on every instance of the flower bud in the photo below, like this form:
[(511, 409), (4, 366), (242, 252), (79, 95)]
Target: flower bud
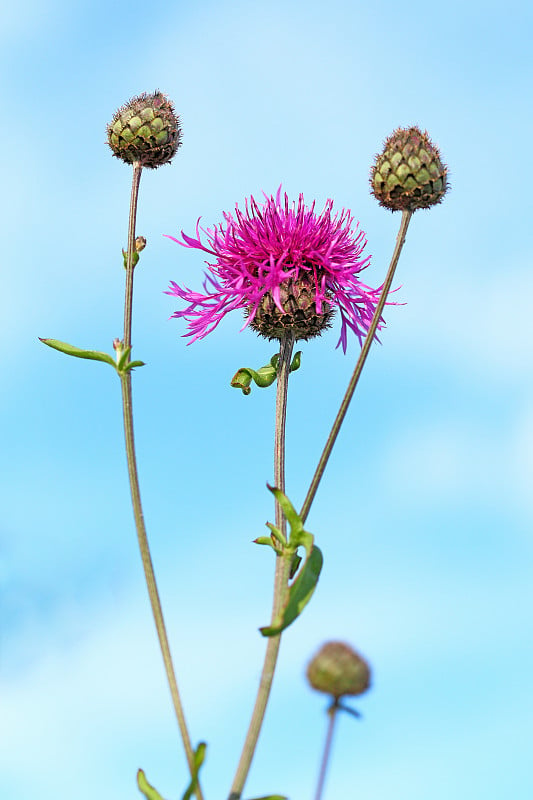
[(145, 130), (338, 670), (409, 173)]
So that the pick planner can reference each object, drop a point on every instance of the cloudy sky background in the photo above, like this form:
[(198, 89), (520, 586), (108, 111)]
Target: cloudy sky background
[(425, 515)]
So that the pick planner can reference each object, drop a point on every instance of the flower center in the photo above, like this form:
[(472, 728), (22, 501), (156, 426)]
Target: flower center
[(300, 315)]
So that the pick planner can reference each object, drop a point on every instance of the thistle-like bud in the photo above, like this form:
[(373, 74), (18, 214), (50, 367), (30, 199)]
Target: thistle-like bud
[(146, 130), (300, 314), (338, 670), (408, 173)]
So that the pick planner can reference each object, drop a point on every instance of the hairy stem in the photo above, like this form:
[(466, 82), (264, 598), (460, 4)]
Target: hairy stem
[(332, 713), (281, 577), (127, 408), (317, 477)]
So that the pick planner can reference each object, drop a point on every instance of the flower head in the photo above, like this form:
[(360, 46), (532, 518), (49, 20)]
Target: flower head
[(409, 173), (339, 670), (286, 267), (145, 129)]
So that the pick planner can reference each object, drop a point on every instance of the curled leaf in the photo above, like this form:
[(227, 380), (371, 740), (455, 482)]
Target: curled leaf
[(264, 376)]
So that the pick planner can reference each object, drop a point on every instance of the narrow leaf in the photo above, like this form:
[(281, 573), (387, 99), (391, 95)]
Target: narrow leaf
[(263, 540), (147, 789), (300, 592), (276, 533), (288, 509), (123, 360), (133, 364), (199, 756), (71, 350), (272, 797)]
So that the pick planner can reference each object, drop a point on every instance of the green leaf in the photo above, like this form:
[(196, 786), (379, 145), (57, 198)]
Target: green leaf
[(300, 592), (71, 350), (199, 756), (291, 515), (242, 380), (272, 797), (264, 376), (264, 540), (132, 365), (296, 361), (149, 792), (277, 534)]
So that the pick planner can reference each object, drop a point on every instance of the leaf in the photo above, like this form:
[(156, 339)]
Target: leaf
[(242, 380), (123, 358), (132, 365), (272, 797), (71, 350), (277, 534), (291, 515), (263, 540), (199, 756), (264, 376), (147, 789), (300, 592), (296, 361)]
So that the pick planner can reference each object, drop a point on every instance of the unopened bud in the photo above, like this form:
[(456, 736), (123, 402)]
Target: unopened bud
[(338, 670), (408, 173), (145, 130)]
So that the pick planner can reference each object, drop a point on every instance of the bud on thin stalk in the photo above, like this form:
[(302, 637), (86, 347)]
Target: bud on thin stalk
[(409, 173)]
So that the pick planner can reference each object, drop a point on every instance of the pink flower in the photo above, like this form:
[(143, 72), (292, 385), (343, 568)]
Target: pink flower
[(286, 267)]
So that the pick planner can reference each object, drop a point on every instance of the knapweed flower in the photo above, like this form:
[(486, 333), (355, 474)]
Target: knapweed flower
[(288, 269)]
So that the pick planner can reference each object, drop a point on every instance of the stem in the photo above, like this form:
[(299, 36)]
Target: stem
[(149, 574), (281, 577), (317, 477), (332, 713), (128, 300)]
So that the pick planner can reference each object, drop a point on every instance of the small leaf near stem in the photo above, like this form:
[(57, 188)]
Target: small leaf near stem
[(72, 350), (301, 590), (317, 477), (264, 376), (272, 797), (121, 363), (199, 757), (146, 788)]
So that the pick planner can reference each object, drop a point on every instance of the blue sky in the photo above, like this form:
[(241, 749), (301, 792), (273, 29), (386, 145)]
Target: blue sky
[(425, 514)]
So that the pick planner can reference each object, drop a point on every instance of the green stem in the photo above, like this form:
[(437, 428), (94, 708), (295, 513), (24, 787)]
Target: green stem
[(332, 713), (149, 574), (281, 577), (317, 477)]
